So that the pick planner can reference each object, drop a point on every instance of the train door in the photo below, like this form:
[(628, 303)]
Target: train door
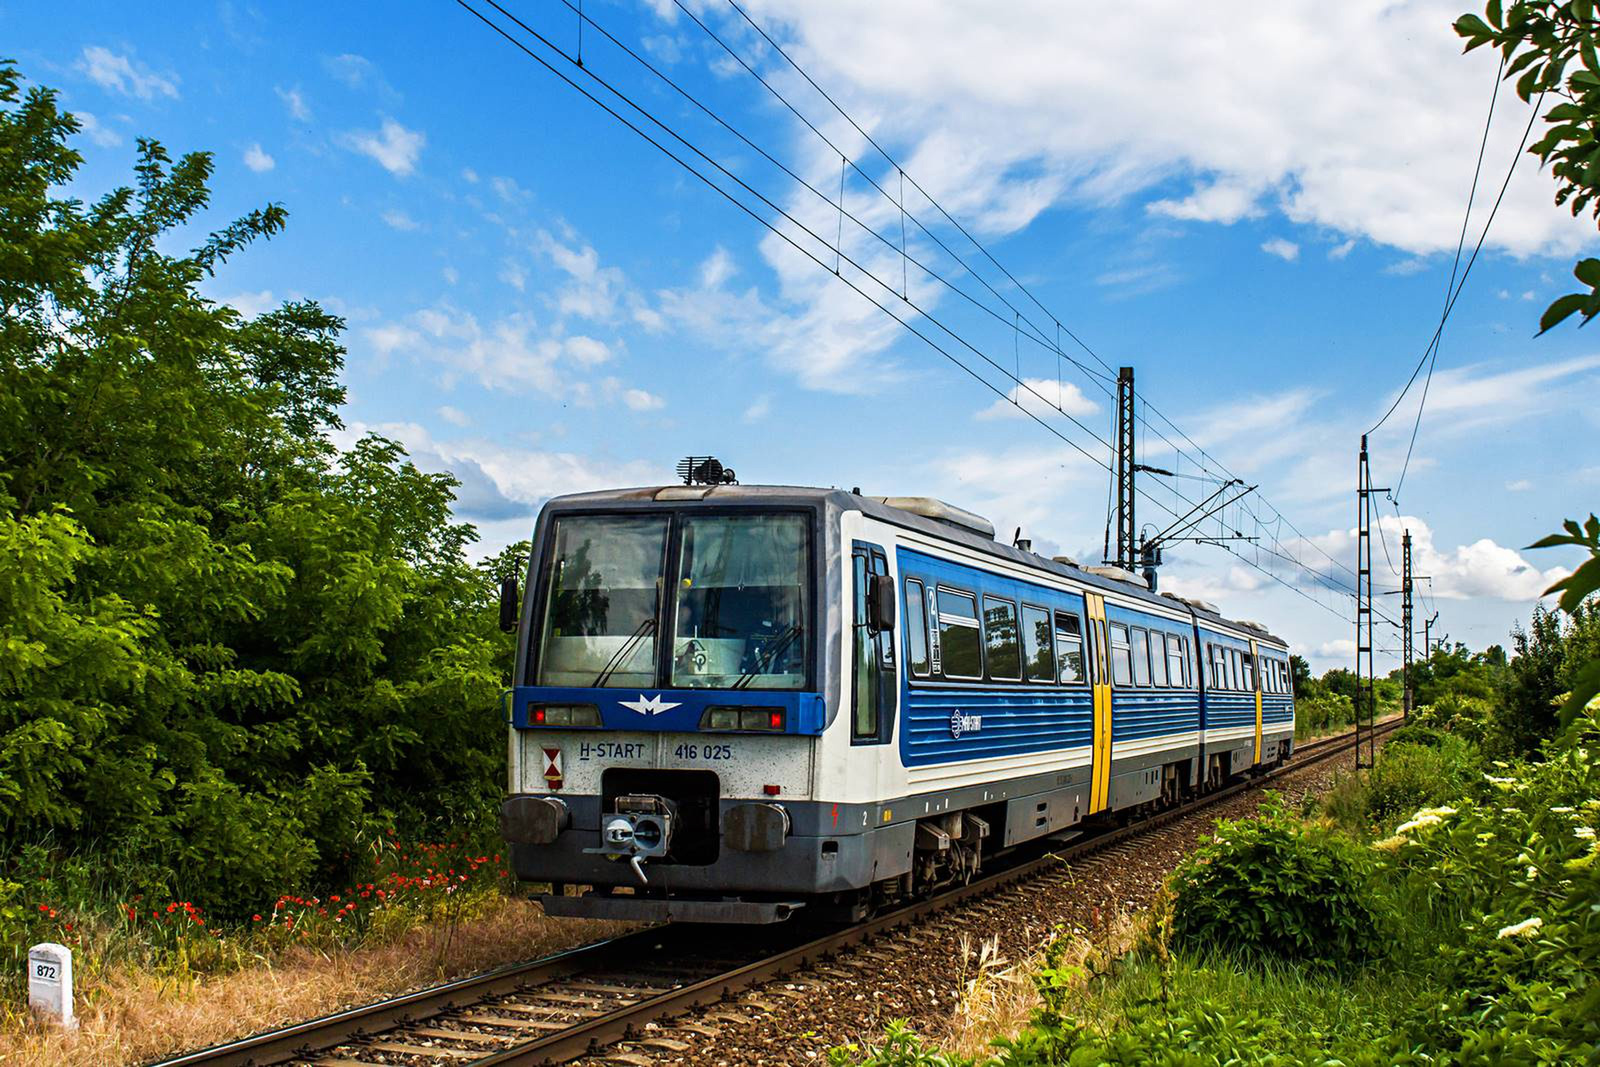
[(1100, 662), (1255, 661), (875, 681)]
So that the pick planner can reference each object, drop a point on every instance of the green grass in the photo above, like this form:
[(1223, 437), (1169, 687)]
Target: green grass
[(1345, 1012)]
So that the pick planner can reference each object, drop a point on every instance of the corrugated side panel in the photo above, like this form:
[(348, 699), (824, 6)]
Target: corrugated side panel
[(1224, 710), (1137, 714), (1277, 708), (1011, 722)]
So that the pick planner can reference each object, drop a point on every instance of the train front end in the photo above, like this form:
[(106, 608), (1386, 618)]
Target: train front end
[(667, 705)]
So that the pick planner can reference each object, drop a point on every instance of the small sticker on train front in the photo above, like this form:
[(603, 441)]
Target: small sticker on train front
[(552, 768)]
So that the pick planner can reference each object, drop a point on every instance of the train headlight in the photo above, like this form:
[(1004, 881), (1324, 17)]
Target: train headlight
[(563, 715), (752, 720)]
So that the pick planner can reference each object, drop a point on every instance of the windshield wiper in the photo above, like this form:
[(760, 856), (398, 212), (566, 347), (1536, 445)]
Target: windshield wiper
[(769, 654), (621, 655)]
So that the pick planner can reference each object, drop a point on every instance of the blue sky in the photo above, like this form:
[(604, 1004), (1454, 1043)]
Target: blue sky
[(1260, 218)]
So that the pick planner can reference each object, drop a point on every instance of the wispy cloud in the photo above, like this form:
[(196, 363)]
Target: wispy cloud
[(97, 131), (125, 75), (1283, 248), (295, 101), (396, 219)]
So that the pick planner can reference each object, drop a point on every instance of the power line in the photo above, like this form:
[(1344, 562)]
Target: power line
[(966, 233), (841, 257), (758, 217), (1533, 115)]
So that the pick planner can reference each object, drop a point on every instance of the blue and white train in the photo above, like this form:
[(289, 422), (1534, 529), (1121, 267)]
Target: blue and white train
[(732, 702)]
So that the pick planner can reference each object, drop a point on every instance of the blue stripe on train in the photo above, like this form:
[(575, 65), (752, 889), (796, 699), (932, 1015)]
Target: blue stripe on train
[(945, 725)]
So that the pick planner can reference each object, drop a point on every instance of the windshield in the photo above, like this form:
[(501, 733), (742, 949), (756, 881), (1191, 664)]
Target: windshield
[(604, 601), (740, 619)]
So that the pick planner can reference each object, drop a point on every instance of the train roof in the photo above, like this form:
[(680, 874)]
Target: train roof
[(952, 528)]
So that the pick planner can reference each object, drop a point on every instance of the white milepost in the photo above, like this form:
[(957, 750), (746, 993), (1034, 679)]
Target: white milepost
[(50, 983)]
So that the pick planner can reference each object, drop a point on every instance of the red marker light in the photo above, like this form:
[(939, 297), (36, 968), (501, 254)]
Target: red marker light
[(771, 790), (776, 720), (538, 715)]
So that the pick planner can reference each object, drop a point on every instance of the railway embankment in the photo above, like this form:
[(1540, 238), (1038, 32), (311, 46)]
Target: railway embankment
[(1438, 909), (959, 977)]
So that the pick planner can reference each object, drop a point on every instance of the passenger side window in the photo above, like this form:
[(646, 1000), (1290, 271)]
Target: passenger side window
[(1158, 658), (958, 634), (1069, 646), (1121, 656), (1000, 635), (1247, 676), (1141, 657), (1233, 669), (1037, 662), (916, 629), (1175, 659)]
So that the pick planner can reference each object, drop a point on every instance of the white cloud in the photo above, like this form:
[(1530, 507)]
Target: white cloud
[(258, 160), (503, 485), (295, 101), (250, 304), (586, 351), (593, 290), (451, 275), (395, 147), (1041, 397), (1283, 249), (399, 220), (639, 400), (1461, 398), (1481, 569), (507, 189), (96, 131), (1350, 118), (391, 336), (469, 175), (1521, 485), (1343, 249), (511, 353), (758, 409), (354, 70), (1220, 201), (512, 274), (121, 74), (454, 416)]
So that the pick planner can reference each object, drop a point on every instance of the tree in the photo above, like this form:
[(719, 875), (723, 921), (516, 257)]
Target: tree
[(228, 651), (1550, 48)]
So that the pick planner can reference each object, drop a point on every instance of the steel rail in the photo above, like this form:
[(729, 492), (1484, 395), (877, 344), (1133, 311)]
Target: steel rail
[(314, 1037)]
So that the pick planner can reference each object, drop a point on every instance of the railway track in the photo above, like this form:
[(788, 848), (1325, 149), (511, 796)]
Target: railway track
[(562, 1007)]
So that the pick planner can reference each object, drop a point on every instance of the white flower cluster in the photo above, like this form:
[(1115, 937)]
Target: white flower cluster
[(1525, 928)]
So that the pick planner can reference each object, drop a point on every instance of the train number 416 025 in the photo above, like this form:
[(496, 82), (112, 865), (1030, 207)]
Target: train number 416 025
[(688, 751)]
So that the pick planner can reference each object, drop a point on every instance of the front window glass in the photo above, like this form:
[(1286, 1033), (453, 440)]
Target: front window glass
[(740, 620), (604, 597)]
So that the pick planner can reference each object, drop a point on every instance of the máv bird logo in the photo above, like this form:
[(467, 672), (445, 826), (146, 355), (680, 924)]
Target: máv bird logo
[(647, 705)]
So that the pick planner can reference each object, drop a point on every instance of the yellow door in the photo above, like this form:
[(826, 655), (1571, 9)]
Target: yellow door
[(1255, 673), (1100, 778)]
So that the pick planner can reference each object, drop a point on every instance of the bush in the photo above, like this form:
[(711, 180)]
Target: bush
[(1417, 733), (1322, 713), (1411, 775), (1272, 886)]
